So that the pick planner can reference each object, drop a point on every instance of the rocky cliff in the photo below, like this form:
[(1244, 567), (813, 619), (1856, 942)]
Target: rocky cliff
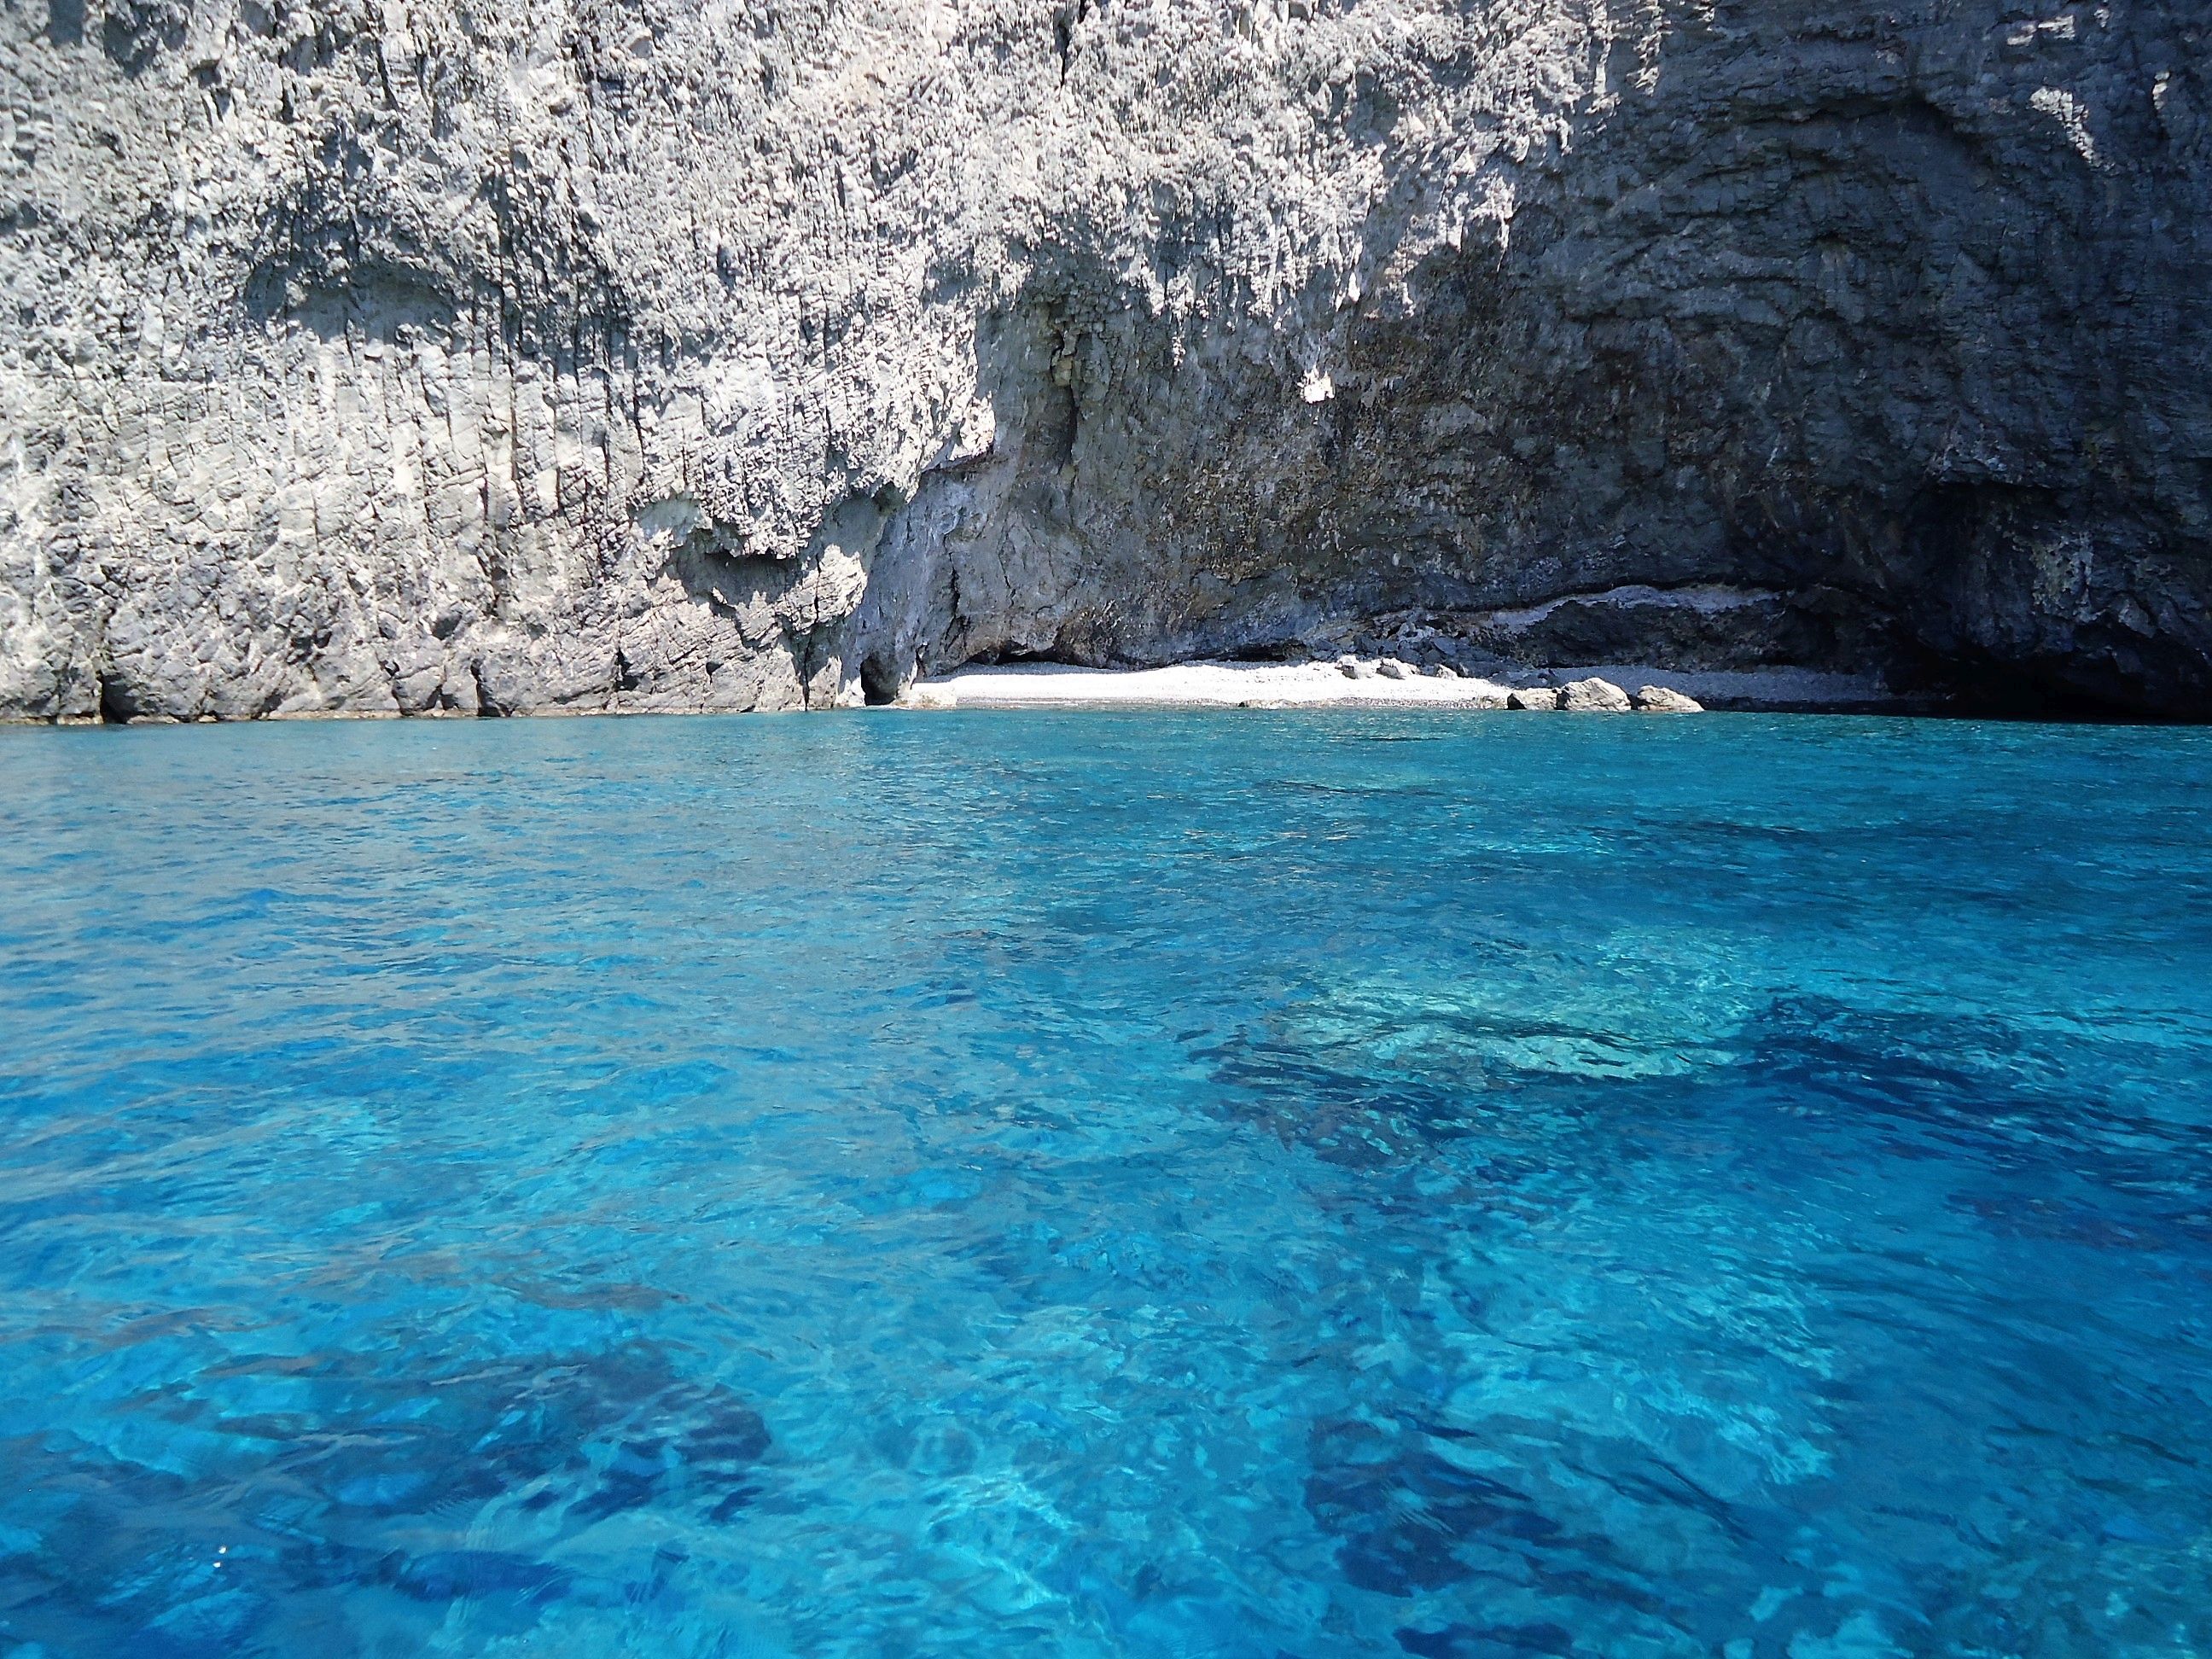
[(416, 355)]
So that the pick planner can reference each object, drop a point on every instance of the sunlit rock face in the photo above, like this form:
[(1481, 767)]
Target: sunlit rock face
[(419, 357)]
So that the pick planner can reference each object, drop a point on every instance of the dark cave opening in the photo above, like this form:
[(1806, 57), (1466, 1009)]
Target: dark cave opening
[(117, 706), (879, 682)]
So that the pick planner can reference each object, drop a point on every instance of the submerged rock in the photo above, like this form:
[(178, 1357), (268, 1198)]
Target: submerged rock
[(1664, 700), (1532, 696), (1593, 697)]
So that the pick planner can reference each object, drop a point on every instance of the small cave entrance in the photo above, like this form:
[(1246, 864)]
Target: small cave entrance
[(117, 706), (879, 682)]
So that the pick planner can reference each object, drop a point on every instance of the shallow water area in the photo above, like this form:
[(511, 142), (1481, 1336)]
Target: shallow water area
[(1071, 1183)]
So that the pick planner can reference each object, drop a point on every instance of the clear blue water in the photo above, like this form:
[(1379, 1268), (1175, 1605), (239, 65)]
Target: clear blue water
[(1090, 1184)]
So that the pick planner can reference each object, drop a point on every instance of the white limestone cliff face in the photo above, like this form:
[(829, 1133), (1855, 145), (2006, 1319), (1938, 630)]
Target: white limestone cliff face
[(410, 357)]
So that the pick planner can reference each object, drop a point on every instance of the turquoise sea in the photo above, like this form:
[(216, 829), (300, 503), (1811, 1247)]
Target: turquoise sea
[(1107, 1183)]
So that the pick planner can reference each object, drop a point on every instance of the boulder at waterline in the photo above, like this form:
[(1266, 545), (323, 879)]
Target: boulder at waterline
[(1593, 697)]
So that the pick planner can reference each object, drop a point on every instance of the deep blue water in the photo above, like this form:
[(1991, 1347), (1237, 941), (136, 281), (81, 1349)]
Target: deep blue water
[(1083, 1184)]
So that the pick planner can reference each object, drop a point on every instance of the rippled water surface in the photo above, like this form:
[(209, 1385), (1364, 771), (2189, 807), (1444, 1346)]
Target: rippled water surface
[(1078, 1184)]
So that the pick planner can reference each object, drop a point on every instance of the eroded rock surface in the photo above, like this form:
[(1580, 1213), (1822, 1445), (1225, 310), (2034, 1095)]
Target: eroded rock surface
[(409, 357), (1593, 696)]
